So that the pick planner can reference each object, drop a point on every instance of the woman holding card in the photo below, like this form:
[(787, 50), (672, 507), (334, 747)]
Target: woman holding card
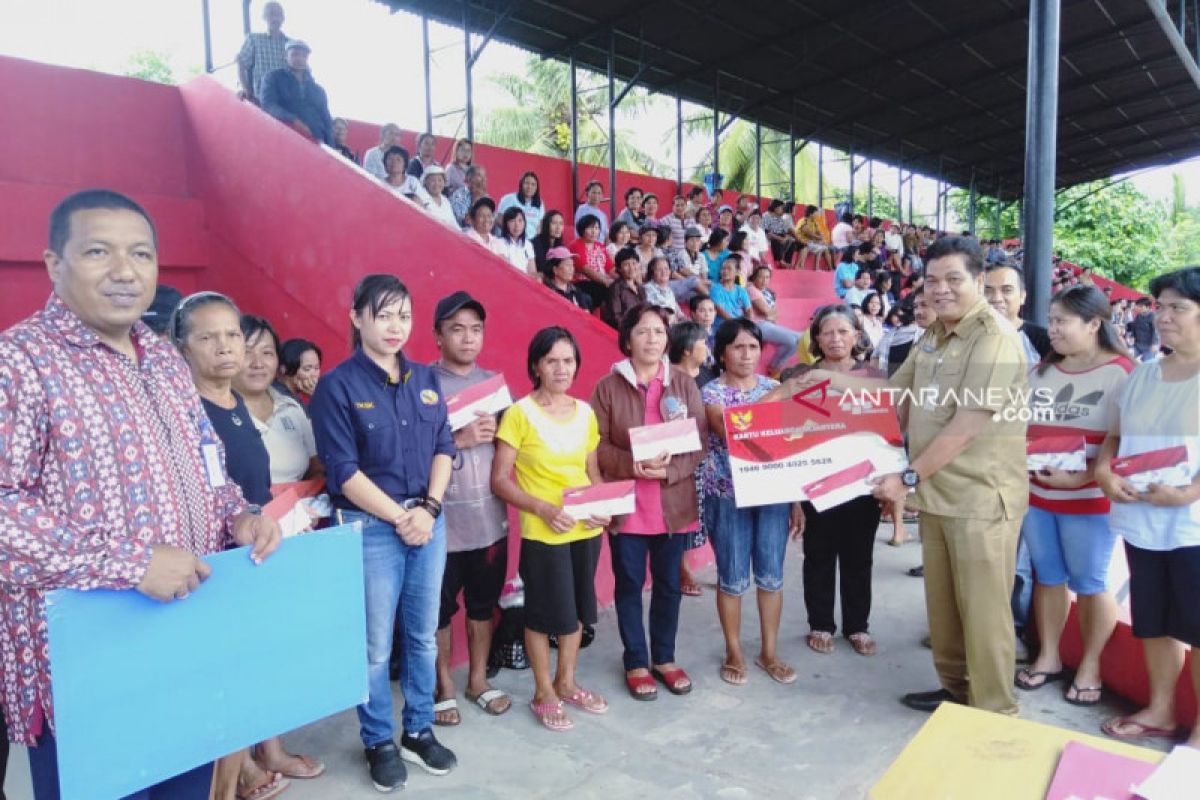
[(1159, 514), (1066, 528), (645, 389), (743, 538), (549, 439), (841, 538)]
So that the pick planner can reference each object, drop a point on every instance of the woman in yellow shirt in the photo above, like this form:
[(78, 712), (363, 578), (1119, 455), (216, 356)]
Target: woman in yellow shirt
[(549, 439)]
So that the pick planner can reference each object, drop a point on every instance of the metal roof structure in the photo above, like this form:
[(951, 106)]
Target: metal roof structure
[(935, 86)]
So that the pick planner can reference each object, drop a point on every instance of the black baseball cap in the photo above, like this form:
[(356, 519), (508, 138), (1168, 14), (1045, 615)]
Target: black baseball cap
[(158, 316), (449, 306)]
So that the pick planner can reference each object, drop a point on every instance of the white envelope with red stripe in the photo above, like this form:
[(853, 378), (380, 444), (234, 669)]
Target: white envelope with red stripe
[(289, 511), (1168, 467), (674, 437), (490, 396), (612, 499), (1057, 452), (843, 485)]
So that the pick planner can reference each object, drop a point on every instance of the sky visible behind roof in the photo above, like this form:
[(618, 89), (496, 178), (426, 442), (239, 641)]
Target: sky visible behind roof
[(368, 59)]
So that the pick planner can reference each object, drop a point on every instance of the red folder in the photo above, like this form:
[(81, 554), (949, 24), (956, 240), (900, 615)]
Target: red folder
[(1056, 444), (1150, 460)]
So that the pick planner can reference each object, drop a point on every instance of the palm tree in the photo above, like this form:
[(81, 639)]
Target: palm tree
[(736, 155), (539, 120)]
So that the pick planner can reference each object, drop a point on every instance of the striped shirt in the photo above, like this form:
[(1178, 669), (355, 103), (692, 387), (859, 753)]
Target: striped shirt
[(1080, 403)]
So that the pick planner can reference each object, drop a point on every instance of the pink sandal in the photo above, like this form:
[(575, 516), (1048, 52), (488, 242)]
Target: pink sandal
[(587, 701), (545, 713)]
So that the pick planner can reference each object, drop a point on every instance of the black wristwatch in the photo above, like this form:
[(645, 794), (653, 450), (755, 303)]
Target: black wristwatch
[(910, 478), (433, 507)]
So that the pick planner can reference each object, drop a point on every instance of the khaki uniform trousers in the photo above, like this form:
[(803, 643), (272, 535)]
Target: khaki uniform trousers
[(970, 565)]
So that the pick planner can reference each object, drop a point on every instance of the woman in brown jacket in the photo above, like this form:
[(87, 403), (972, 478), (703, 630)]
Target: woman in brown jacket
[(645, 389)]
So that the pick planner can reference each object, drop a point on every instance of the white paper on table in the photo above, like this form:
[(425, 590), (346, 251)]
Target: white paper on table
[(675, 437), (1176, 778), (602, 500), (491, 396)]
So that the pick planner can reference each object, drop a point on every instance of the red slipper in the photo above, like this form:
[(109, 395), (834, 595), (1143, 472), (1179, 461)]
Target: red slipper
[(635, 684), (671, 678), (1140, 731)]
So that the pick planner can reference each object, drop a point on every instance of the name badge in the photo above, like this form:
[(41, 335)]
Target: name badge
[(212, 465), (930, 397)]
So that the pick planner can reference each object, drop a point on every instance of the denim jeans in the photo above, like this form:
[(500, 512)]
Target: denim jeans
[(629, 552), (1022, 593), (43, 773), (1074, 549), (745, 540), (786, 339), (398, 576)]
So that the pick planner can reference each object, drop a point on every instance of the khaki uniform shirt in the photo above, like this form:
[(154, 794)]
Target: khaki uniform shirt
[(980, 365)]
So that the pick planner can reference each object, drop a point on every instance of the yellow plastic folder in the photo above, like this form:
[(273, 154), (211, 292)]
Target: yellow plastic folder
[(963, 753)]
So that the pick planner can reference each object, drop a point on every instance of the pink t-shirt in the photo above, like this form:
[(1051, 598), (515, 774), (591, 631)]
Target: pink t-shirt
[(648, 517)]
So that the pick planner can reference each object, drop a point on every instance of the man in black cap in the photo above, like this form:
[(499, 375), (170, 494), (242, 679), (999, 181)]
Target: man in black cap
[(476, 520), (292, 96)]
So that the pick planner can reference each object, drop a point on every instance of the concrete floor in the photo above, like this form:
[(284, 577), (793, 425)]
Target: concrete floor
[(829, 736)]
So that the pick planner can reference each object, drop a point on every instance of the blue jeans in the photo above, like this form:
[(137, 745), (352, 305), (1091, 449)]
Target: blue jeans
[(1022, 593), (629, 553), (43, 773), (398, 576), (1074, 549), (786, 339), (747, 537)]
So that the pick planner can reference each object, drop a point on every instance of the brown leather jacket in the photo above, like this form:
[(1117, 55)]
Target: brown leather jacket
[(620, 405)]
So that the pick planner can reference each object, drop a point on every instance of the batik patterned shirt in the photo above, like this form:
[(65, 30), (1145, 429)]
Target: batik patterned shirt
[(100, 460)]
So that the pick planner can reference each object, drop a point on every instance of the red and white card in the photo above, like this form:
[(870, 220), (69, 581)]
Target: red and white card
[(612, 499), (490, 396), (675, 437), (289, 511), (1057, 452), (843, 485), (1168, 467)]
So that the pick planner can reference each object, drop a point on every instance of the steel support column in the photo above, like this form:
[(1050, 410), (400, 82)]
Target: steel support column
[(757, 162), (1041, 129), (716, 139), (870, 188), (900, 195), (425, 63), (574, 131), (678, 144), (851, 161), (912, 187), (820, 176), (246, 17), (791, 163), (468, 63), (612, 128), (208, 53), (971, 200)]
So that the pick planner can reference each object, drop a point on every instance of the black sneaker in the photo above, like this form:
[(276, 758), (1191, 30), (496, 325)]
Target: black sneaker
[(387, 770), (424, 749)]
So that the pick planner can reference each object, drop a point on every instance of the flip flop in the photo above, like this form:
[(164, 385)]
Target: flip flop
[(545, 711), (486, 699), (274, 787), (312, 768), (1141, 731), (820, 642), (691, 589), (635, 684), (671, 677), (1024, 679), (862, 643), (450, 704), (779, 671), (587, 701), (1078, 690), (733, 674)]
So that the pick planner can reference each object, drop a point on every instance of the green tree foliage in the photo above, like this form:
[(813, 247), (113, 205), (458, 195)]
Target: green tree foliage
[(737, 161), (539, 118), (151, 65), (882, 205), (1107, 225)]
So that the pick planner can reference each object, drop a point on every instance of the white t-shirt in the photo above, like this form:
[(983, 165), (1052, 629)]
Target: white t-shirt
[(493, 243), (441, 211), (1154, 415), (288, 437), (759, 243), (840, 235), (519, 254)]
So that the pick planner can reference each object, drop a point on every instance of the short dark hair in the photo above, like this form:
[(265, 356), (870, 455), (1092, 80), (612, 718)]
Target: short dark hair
[(695, 190), (631, 319), (774, 205), (591, 183), (623, 255), (396, 150), (696, 299), (483, 202), (616, 228), (1185, 282), (90, 200), (291, 353), (629, 192), (997, 267), (423, 136), (540, 346), (810, 210), (683, 337), (862, 271), (1145, 302), (847, 218), (727, 332), (253, 325), (717, 236), (372, 293), (585, 222), (964, 246)]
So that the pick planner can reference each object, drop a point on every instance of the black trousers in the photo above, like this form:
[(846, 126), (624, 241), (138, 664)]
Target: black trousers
[(839, 539)]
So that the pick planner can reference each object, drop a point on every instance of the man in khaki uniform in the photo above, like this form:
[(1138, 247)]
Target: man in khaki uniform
[(964, 390)]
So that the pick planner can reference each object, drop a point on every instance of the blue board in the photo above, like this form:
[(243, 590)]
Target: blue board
[(144, 691)]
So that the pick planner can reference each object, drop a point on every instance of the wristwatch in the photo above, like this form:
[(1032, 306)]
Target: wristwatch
[(433, 507), (910, 478), (254, 508)]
